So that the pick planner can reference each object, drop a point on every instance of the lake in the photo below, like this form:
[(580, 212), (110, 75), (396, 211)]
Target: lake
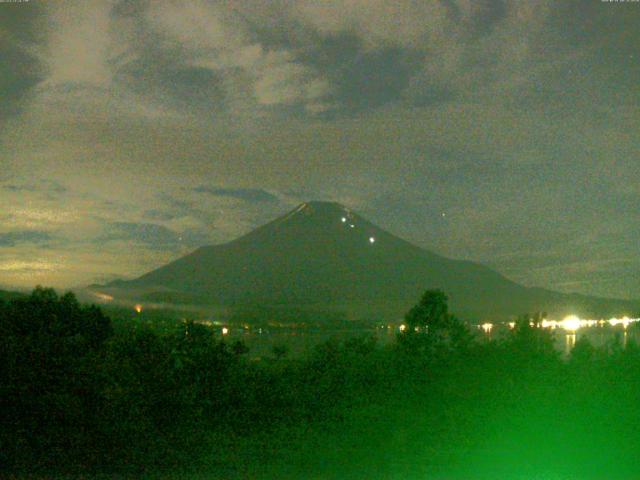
[(300, 342)]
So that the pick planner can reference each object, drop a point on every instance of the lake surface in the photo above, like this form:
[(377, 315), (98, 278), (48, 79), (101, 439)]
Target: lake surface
[(300, 342)]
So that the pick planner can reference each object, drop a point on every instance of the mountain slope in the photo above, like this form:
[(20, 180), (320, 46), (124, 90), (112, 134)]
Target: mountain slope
[(323, 254)]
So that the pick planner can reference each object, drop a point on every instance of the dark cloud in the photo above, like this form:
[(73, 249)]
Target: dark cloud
[(159, 215), (19, 73), (362, 78), (170, 207), (21, 237), (44, 186), (164, 77), (180, 206), (253, 195), (153, 236), (150, 234), (19, 188), (20, 69)]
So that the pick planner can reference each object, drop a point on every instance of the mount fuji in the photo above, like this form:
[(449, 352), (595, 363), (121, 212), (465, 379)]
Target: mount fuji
[(323, 254)]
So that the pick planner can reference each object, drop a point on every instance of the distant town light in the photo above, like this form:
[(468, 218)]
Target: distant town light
[(352, 226), (344, 219), (624, 321), (372, 240), (225, 330), (138, 308), (571, 323), (403, 327), (486, 327)]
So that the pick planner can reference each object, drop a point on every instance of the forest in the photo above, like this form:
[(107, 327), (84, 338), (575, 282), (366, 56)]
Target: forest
[(82, 396)]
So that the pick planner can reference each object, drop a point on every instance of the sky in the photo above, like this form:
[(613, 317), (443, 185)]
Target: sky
[(499, 131)]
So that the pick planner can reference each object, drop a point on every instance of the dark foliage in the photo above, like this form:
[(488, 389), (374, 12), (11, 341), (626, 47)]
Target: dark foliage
[(78, 397), (49, 390)]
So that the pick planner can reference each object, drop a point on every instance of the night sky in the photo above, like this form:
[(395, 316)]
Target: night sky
[(500, 131)]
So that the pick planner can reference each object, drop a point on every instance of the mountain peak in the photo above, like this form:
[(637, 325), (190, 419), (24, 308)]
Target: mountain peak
[(322, 206), (324, 254), (318, 210)]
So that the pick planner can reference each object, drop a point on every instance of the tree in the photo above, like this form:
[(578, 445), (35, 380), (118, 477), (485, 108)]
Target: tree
[(239, 348), (280, 351), (430, 314), (430, 326), (530, 340), (49, 377), (583, 352)]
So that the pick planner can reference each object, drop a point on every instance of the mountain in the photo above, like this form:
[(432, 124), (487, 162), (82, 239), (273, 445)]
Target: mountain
[(324, 255)]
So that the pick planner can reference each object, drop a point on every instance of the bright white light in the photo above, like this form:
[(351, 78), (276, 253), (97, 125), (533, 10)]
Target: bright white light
[(571, 323), (352, 226), (403, 327), (624, 321), (344, 219), (372, 240), (487, 327), (615, 321), (225, 330)]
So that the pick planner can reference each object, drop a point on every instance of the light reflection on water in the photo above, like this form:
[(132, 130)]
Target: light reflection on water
[(302, 342), (567, 331), (569, 342), (599, 337)]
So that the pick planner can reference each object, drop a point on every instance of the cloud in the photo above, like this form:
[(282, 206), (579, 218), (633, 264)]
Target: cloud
[(179, 208), (20, 70), (248, 59), (153, 236), (218, 40), (48, 187), (26, 267), (19, 188), (399, 109), (159, 215), (80, 46), (359, 78), (449, 45), (254, 195), (150, 234), (20, 237)]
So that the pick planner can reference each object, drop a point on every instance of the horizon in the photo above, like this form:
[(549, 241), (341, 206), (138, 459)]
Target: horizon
[(282, 215)]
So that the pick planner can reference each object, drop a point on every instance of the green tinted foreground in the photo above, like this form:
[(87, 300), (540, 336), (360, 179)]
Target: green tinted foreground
[(79, 399)]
